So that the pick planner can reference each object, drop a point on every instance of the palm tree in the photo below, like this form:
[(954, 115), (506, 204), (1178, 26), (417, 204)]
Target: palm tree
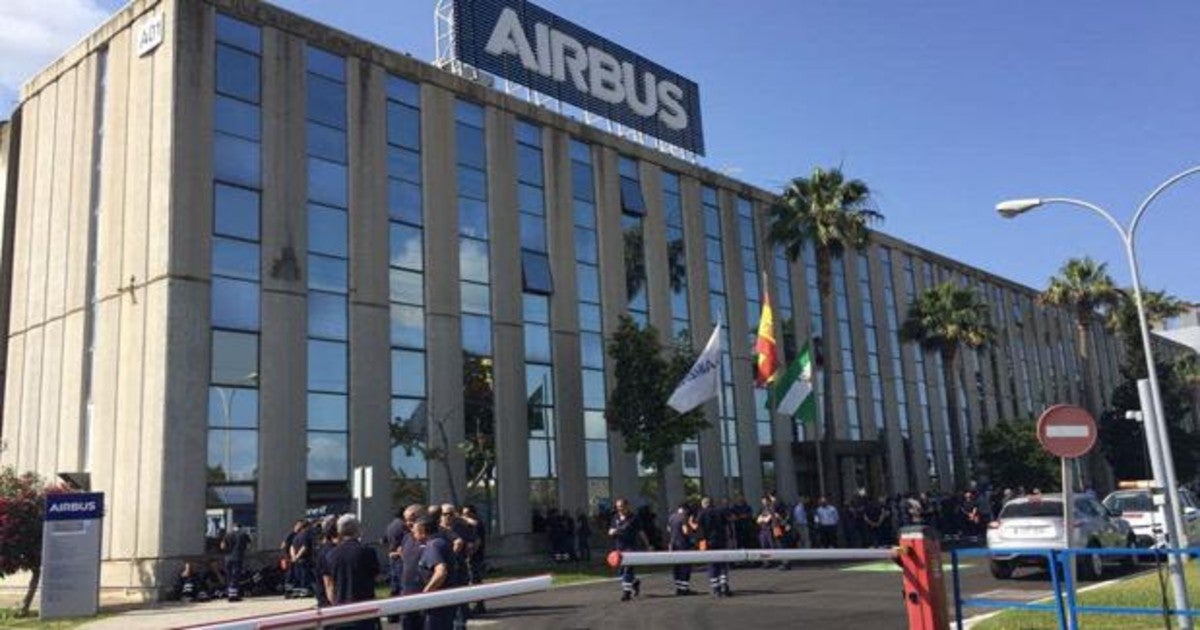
[(1083, 286), (1122, 319), (945, 318), (1187, 369), (831, 215)]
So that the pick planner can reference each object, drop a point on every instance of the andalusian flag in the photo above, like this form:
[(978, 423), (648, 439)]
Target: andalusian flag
[(766, 355), (794, 390)]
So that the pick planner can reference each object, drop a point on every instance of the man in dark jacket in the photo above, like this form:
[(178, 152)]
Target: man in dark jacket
[(234, 544), (353, 568), (626, 534), (714, 529)]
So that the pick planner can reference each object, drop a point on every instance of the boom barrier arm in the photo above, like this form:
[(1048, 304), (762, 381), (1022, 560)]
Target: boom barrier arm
[(320, 617)]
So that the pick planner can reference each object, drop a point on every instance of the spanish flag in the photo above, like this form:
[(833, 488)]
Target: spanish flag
[(766, 355)]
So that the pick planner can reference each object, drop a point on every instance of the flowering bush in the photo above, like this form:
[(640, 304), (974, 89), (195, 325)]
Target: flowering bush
[(22, 501)]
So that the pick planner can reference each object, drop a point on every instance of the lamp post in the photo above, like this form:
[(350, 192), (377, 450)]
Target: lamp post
[(1016, 207)]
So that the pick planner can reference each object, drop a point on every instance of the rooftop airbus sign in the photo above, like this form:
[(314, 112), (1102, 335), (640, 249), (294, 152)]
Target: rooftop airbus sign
[(521, 42)]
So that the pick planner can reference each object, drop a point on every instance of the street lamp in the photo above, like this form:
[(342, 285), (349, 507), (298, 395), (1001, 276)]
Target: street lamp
[(1016, 207)]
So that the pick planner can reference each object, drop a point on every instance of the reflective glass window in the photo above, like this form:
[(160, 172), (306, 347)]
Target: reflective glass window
[(328, 456), (232, 408), (593, 389), (234, 358), (327, 274), (529, 165), (592, 349), (475, 298), (327, 412), (327, 315), (325, 63), (236, 160), (470, 146), (408, 373), (326, 142), (535, 308), (632, 201), (235, 304), (468, 113), (404, 126), (589, 316), (238, 74), (537, 342), (580, 151), (327, 230), (533, 233), (595, 427), (539, 384), (403, 90), (407, 326), (327, 366), (237, 118), (327, 182), (235, 259), (585, 246), (477, 335), (585, 214), (589, 283), (473, 260), (528, 133), (404, 201), (407, 250), (406, 286), (472, 182), (597, 458), (404, 164), (232, 455), (581, 182), (326, 102), (238, 33), (472, 217), (536, 272), (531, 199), (235, 212)]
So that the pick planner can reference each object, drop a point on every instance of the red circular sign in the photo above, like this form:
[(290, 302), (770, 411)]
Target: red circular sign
[(1067, 431)]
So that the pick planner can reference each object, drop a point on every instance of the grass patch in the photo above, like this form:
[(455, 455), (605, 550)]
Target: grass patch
[(1142, 591), (9, 619)]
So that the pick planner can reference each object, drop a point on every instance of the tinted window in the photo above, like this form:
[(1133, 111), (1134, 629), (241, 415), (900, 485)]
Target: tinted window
[(404, 164), (406, 248), (234, 358), (238, 33), (327, 64), (232, 455), (473, 260), (408, 326), (536, 272), (325, 273), (405, 286), (470, 145), (408, 373), (327, 412), (1130, 502), (327, 182), (235, 304), (529, 164), (477, 335), (327, 456), (232, 407), (236, 259), (326, 142), (236, 160), (631, 197), (236, 212), (327, 366), (537, 342), (404, 201), (327, 315), (1044, 509), (238, 118), (472, 217), (237, 73), (327, 230), (404, 91), (533, 233), (404, 126)]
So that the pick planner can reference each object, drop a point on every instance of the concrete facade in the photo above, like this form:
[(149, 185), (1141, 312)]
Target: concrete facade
[(107, 176)]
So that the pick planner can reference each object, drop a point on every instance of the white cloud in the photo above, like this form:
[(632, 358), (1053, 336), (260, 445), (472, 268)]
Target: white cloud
[(36, 32)]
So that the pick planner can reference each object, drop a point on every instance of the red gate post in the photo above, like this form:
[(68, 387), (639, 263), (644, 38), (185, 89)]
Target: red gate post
[(920, 558)]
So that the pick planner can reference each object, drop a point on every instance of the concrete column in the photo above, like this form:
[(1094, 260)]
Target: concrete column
[(370, 356), (712, 472), (508, 371), (658, 294), (933, 377), (442, 325), (283, 358), (749, 456), (564, 325), (623, 469)]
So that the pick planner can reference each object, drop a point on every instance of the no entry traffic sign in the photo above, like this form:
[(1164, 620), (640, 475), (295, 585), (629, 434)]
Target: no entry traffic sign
[(1067, 431)]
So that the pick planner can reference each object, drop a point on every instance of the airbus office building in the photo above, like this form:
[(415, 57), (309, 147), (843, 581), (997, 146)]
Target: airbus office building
[(247, 254)]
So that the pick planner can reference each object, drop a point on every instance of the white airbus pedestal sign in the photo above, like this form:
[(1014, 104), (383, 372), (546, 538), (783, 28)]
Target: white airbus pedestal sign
[(71, 555)]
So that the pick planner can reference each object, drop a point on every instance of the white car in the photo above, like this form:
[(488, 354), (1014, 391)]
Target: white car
[(1137, 507), (1036, 522)]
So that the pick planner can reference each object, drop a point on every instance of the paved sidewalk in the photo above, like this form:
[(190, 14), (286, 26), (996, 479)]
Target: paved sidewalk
[(175, 615)]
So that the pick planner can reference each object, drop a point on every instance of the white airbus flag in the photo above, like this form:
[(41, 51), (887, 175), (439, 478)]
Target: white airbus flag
[(703, 381)]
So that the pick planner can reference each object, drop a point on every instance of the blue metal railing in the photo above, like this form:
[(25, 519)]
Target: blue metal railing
[(1062, 583)]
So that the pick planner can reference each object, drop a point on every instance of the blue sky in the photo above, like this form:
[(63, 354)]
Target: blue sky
[(943, 106)]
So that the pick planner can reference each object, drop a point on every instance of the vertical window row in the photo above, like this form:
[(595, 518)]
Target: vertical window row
[(846, 338), (809, 256), (681, 319), (910, 293), (927, 271), (872, 339), (900, 376), (633, 211), (475, 294), (780, 270), (591, 333), (236, 279), (328, 278), (719, 307), (406, 289), (752, 280), (537, 287)]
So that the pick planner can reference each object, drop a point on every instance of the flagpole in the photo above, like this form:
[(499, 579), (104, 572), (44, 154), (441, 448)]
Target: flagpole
[(818, 437), (721, 408)]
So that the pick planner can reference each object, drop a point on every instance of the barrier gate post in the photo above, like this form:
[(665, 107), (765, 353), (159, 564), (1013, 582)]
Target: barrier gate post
[(920, 559)]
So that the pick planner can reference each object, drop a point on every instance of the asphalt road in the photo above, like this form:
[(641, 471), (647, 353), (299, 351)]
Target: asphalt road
[(861, 595)]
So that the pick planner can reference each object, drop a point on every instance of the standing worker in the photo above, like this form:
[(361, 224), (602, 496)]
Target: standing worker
[(800, 523), (827, 524), (438, 572), (626, 533), (714, 528), (352, 569), (234, 544), (680, 527)]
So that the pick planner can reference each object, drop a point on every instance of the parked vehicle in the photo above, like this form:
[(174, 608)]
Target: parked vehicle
[(1036, 522), (1137, 506)]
